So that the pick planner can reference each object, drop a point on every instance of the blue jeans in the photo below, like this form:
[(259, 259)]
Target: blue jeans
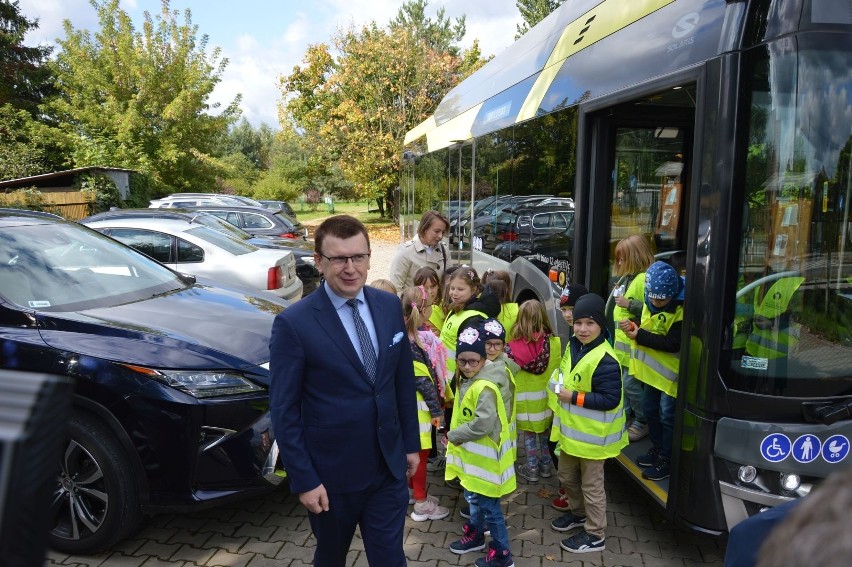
[(659, 411), (486, 510)]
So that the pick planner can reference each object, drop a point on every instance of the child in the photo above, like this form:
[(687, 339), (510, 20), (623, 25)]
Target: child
[(385, 285), (655, 361), (500, 283), (479, 453), (569, 296), (538, 352), (588, 424), (429, 407), (632, 257), (434, 313)]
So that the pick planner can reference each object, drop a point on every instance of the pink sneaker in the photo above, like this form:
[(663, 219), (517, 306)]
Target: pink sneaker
[(429, 510)]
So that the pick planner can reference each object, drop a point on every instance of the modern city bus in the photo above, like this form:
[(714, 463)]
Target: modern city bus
[(722, 132)]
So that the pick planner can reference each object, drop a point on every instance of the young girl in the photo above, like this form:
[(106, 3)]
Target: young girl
[(430, 410), (384, 284), (538, 352), (434, 313), (632, 257), (500, 283), (480, 453)]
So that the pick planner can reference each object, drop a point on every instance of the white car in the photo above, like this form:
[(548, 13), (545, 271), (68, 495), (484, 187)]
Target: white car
[(199, 250), (179, 200)]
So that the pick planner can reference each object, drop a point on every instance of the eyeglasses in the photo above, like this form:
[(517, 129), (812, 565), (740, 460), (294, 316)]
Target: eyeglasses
[(467, 362), (341, 261), (494, 345)]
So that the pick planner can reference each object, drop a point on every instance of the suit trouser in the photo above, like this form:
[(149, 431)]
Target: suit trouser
[(380, 512), (583, 481)]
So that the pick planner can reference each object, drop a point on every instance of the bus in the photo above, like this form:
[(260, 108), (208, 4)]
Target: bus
[(722, 132)]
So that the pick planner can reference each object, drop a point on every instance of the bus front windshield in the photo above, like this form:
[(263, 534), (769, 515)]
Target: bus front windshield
[(791, 332)]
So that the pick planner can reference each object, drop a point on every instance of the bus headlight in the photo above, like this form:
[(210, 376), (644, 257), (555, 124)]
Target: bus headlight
[(790, 481), (747, 473)]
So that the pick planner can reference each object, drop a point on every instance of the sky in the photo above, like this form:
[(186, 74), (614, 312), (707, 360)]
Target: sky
[(265, 39)]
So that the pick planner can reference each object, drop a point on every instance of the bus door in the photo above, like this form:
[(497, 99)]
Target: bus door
[(639, 159)]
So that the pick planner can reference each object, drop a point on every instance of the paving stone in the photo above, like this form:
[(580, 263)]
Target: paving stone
[(298, 536), (293, 551), (193, 554), (265, 548), (227, 559), (260, 532), (436, 539), (121, 560), (251, 517), (154, 562), (610, 557), (156, 533), (187, 537), (219, 526), (227, 543), (690, 552), (162, 551), (646, 548), (443, 556)]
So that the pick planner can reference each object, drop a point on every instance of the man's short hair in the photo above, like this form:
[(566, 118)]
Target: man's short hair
[(428, 218), (340, 226)]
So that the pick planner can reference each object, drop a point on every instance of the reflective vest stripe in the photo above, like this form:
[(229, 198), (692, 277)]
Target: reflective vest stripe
[(623, 345), (648, 359), (570, 433), (533, 417), (656, 368), (526, 396), (479, 472), (424, 416)]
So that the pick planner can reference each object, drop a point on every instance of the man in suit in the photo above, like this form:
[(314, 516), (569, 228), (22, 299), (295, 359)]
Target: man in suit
[(343, 402)]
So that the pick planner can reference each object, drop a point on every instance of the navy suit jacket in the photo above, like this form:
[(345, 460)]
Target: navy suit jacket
[(332, 425)]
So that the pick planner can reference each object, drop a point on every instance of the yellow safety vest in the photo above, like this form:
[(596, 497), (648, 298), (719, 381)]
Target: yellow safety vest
[(482, 466), (533, 411), (424, 417), (580, 431), (450, 334), (507, 317), (437, 317), (773, 342), (654, 367), (623, 345)]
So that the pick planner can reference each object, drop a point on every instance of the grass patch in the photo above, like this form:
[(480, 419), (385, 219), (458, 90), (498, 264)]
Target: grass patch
[(354, 208)]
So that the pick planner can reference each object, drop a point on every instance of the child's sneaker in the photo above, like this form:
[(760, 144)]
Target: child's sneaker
[(637, 431), (561, 501), (495, 558), (428, 510), (582, 542), (659, 471), (436, 463), (545, 470), (464, 512), (568, 521), (412, 500), (649, 459), (530, 474), (471, 541)]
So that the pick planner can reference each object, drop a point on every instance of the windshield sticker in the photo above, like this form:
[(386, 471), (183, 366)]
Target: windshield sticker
[(36, 304), (835, 449), (754, 363), (775, 447), (806, 448)]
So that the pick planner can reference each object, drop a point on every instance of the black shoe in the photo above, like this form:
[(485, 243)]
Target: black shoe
[(582, 542), (453, 483), (650, 458), (568, 521), (465, 512), (659, 471)]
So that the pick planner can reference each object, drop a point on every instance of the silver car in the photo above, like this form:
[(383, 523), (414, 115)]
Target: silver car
[(201, 251)]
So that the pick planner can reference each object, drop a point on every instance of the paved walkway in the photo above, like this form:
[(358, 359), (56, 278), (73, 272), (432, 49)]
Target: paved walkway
[(274, 531)]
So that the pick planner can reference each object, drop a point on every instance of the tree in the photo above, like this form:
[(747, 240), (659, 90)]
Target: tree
[(356, 106), (534, 11), (25, 79), (140, 99)]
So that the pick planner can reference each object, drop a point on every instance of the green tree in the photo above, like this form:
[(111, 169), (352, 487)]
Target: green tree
[(534, 11), (355, 106), (140, 99), (25, 79)]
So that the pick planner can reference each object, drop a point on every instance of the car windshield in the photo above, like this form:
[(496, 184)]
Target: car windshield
[(222, 226), (66, 267), (224, 241)]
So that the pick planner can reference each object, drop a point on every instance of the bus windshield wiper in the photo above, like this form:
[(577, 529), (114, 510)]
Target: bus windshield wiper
[(828, 413)]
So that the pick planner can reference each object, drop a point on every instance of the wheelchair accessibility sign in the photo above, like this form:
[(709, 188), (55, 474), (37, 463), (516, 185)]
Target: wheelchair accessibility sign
[(776, 447)]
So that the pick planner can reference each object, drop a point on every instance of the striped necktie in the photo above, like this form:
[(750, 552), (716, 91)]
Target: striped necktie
[(368, 354)]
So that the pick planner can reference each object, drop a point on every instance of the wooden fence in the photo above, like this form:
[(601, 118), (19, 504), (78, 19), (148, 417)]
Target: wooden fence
[(72, 205)]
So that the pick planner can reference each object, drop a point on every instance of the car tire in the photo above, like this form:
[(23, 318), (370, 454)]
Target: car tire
[(95, 502)]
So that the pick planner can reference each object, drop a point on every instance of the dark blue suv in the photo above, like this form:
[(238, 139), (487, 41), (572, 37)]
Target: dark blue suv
[(170, 408)]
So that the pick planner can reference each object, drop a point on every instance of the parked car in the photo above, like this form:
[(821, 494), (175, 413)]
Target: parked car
[(170, 407), (194, 200), (201, 251), (279, 206), (258, 221), (542, 234), (303, 251), (230, 198)]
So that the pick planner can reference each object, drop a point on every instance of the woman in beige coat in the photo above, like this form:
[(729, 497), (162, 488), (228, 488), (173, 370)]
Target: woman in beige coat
[(425, 249)]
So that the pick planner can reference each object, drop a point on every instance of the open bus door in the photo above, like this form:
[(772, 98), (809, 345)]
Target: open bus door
[(639, 158)]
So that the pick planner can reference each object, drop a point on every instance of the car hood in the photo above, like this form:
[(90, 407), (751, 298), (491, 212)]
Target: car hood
[(199, 327)]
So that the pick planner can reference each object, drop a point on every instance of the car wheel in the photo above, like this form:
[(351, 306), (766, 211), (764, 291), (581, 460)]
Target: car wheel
[(95, 503)]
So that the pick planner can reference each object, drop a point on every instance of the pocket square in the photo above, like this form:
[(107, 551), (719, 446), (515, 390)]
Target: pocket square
[(396, 338)]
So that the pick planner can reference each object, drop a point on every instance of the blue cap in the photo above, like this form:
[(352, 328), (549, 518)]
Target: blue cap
[(661, 281)]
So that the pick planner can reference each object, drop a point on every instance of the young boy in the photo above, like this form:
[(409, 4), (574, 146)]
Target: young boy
[(655, 362), (480, 452), (569, 296), (588, 424)]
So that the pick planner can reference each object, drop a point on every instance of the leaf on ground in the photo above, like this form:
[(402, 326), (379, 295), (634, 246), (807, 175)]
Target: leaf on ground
[(544, 492)]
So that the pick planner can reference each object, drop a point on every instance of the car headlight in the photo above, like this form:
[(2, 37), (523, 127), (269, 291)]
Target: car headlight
[(201, 383)]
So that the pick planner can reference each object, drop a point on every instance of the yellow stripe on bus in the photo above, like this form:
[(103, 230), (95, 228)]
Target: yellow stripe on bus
[(651, 486), (601, 21)]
